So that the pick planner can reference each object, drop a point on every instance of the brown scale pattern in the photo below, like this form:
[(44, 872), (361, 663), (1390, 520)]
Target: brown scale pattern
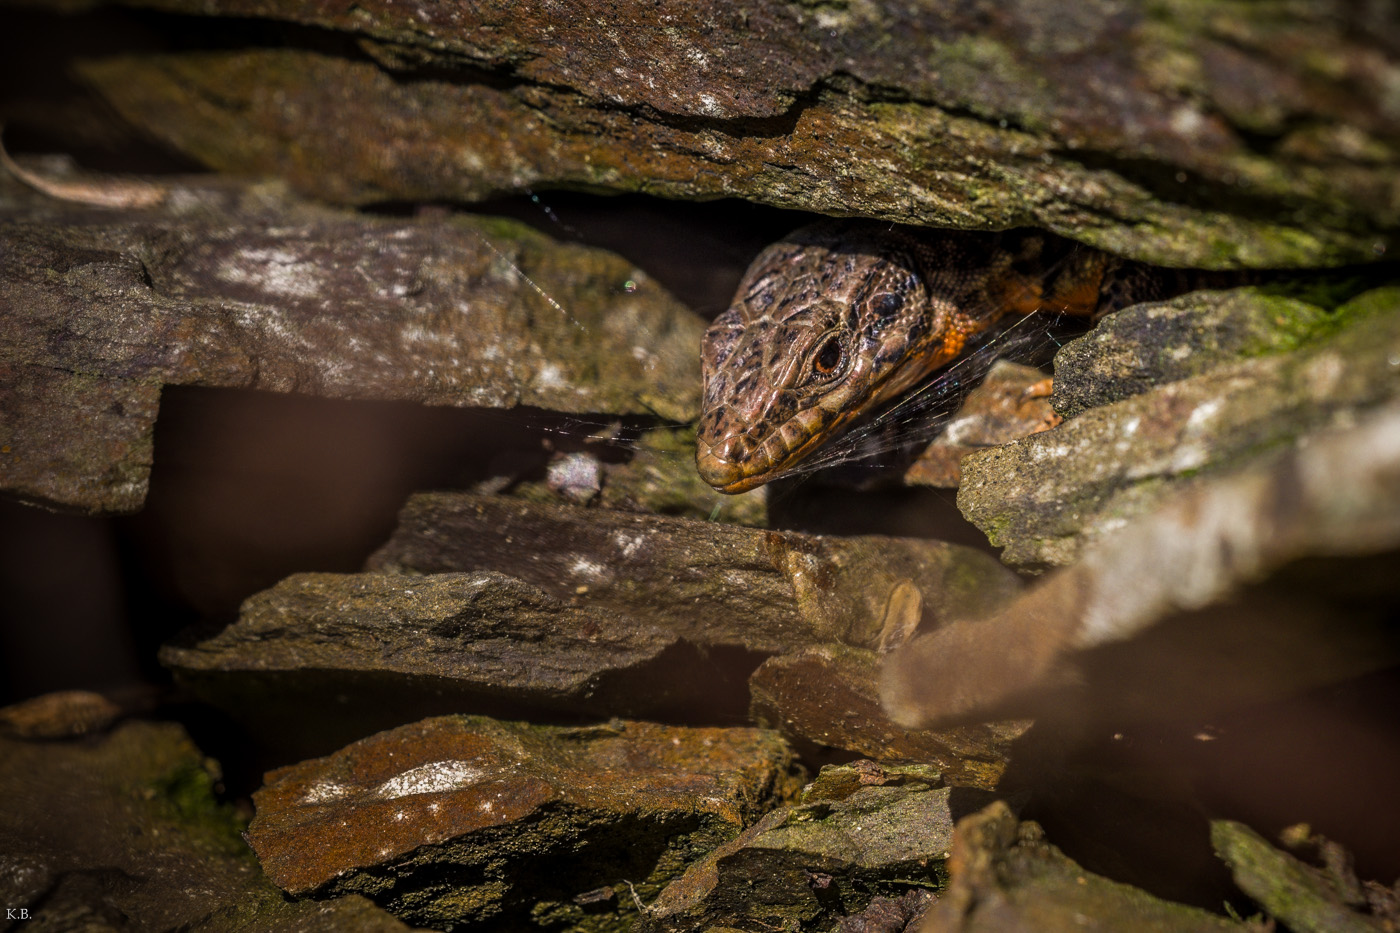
[(842, 316)]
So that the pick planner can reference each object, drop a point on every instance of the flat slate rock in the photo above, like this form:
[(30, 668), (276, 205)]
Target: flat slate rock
[(512, 826), (1244, 587), (709, 583), (1155, 131), (322, 659), (237, 285), (122, 831)]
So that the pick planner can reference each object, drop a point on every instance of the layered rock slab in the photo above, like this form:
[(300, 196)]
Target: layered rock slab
[(467, 819), (122, 831), (322, 659), (1244, 587), (1046, 497), (237, 285), (1259, 136), (860, 831), (709, 583)]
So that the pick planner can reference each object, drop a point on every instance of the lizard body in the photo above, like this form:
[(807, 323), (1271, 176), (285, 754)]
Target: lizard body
[(840, 317)]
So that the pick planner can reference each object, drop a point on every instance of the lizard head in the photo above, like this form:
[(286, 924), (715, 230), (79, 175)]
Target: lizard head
[(826, 325)]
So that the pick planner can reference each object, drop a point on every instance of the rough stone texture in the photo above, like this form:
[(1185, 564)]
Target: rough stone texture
[(1005, 876), (471, 820), (1044, 498), (123, 832), (1244, 587), (1146, 346), (1004, 407), (1294, 893), (830, 695), (328, 658), (709, 583), (860, 831), (231, 284), (1181, 132)]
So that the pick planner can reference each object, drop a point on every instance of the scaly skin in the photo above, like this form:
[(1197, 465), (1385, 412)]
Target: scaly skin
[(842, 316)]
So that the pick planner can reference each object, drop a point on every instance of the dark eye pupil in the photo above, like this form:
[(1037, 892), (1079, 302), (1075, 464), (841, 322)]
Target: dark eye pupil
[(888, 304), (829, 357)]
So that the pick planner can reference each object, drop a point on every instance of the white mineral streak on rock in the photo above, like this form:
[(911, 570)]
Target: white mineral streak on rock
[(276, 271), (434, 778), (583, 567), (324, 792)]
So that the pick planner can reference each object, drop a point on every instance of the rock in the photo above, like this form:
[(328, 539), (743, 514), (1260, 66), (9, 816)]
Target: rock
[(1247, 586), (470, 820), (59, 715), (890, 914), (860, 831), (1005, 876), (234, 285), (1004, 407), (710, 584), (1182, 135), (322, 659), (830, 695), (1148, 345), (1047, 496), (122, 831), (1297, 894)]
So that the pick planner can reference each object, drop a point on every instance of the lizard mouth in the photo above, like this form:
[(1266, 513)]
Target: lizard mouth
[(738, 462)]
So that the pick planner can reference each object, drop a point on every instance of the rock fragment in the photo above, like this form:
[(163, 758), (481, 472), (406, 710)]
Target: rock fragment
[(1047, 496), (470, 820), (1005, 876), (235, 285), (861, 831), (709, 583), (830, 695), (1146, 346), (328, 658), (1307, 899), (1004, 407)]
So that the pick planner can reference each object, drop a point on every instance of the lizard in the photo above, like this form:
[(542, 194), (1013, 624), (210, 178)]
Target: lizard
[(842, 316)]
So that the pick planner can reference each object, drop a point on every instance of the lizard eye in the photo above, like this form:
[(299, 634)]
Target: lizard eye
[(888, 304), (829, 357)]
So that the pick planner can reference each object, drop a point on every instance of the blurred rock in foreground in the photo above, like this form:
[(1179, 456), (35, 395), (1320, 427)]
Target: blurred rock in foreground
[(1005, 876), (1246, 586)]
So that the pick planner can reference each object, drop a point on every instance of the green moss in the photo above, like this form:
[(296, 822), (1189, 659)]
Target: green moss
[(188, 789)]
